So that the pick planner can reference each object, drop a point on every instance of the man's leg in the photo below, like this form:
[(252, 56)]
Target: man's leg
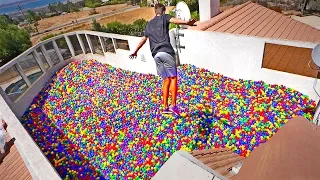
[(174, 89), (165, 89)]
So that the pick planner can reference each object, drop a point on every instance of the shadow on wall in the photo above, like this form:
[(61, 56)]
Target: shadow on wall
[(8, 146)]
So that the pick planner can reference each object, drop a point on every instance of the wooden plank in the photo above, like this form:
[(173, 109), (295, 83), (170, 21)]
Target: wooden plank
[(303, 61), (244, 20), (317, 40), (294, 60), (259, 21), (276, 26), (263, 24), (267, 48), (306, 33), (252, 20), (286, 58), (230, 18), (288, 29), (310, 72), (236, 19), (294, 31), (277, 57), (268, 57), (313, 35), (301, 32), (282, 28), (269, 25)]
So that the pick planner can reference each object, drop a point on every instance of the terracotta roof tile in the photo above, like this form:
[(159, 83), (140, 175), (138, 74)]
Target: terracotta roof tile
[(255, 20), (221, 160)]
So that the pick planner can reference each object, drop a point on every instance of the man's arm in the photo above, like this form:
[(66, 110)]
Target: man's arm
[(141, 43), (182, 22)]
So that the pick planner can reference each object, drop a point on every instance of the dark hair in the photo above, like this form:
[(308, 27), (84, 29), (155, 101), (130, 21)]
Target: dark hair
[(159, 9)]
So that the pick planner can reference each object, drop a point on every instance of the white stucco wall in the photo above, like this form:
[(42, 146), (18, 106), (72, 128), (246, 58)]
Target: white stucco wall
[(240, 57), (36, 162)]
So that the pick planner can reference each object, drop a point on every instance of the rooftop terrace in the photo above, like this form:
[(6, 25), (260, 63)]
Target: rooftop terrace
[(79, 107)]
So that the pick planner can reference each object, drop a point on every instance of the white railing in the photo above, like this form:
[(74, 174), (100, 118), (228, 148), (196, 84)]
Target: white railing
[(19, 76)]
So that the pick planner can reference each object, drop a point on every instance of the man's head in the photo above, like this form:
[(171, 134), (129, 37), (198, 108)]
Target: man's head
[(159, 9)]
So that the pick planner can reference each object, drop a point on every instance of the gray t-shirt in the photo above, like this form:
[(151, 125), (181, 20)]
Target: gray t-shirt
[(157, 31)]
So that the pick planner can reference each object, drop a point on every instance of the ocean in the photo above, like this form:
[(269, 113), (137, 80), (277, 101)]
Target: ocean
[(28, 5)]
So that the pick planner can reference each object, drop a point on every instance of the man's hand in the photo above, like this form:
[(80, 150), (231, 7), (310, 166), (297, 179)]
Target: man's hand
[(133, 55), (182, 22), (191, 22), (141, 43)]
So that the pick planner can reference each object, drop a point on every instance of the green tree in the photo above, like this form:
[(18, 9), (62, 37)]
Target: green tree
[(9, 19), (72, 7), (13, 41), (92, 3), (53, 8), (62, 7), (33, 18), (96, 26)]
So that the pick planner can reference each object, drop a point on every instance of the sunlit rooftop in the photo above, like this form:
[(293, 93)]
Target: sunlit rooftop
[(78, 108)]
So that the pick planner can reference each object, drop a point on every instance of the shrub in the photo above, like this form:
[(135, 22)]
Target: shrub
[(51, 36), (134, 29)]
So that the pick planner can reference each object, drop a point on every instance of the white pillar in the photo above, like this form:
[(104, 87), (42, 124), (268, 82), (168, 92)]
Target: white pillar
[(90, 43), (69, 45), (208, 9), (56, 48), (81, 44), (46, 55)]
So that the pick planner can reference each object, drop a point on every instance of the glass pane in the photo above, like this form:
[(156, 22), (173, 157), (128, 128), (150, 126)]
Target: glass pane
[(31, 68), (85, 42), (12, 83), (75, 44), (52, 53), (122, 44), (63, 47), (108, 45), (42, 58), (96, 44)]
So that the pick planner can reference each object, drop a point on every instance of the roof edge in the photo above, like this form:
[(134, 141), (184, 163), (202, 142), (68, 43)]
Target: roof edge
[(207, 24)]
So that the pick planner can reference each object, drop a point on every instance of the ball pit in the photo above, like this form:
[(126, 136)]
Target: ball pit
[(94, 121)]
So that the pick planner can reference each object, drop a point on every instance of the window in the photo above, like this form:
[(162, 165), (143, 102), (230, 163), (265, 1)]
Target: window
[(76, 45), (52, 53), (122, 44), (85, 42), (31, 68), (63, 48), (42, 58), (96, 44), (12, 83), (108, 45)]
